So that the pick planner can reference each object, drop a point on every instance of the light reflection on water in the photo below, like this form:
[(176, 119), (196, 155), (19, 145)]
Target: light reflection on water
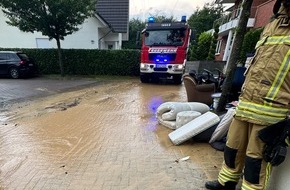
[(153, 104)]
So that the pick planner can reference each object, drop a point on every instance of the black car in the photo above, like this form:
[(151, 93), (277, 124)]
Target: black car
[(16, 64)]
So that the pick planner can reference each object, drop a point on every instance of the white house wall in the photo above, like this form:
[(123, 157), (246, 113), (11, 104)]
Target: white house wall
[(12, 37), (86, 38)]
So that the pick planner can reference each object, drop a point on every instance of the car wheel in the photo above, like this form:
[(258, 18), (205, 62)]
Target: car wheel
[(14, 73)]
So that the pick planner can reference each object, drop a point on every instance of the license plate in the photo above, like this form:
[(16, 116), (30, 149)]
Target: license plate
[(30, 64), (160, 65)]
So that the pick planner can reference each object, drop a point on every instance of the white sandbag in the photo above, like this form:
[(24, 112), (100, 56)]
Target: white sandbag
[(184, 117), (223, 126), (168, 110), (194, 127), (280, 175), (168, 124)]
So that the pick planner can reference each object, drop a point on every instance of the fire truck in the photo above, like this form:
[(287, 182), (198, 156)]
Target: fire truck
[(164, 50)]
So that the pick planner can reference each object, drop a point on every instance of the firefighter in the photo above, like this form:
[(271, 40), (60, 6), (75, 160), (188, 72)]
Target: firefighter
[(264, 100)]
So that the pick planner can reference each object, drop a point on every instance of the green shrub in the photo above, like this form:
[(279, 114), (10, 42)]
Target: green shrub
[(86, 62), (249, 43)]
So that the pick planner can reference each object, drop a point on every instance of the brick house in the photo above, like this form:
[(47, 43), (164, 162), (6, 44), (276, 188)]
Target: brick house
[(105, 30), (260, 14)]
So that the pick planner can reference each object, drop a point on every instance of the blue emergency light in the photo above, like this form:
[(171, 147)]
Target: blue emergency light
[(159, 59), (183, 19), (151, 19)]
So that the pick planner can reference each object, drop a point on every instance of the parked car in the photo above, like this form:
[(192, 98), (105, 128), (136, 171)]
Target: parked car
[(16, 64)]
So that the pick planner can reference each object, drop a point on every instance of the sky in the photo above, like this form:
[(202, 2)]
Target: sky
[(142, 9)]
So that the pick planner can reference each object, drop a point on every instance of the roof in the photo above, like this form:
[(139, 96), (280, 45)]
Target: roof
[(115, 13)]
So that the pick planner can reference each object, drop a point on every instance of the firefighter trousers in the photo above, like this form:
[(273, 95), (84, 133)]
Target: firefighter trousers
[(243, 154)]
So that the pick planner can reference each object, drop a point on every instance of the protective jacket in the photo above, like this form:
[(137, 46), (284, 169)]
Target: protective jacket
[(264, 100), (265, 94)]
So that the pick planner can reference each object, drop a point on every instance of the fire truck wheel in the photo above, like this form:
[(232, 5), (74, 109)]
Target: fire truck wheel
[(177, 79), (144, 79)]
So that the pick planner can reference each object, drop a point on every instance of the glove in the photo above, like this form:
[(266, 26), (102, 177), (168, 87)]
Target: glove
[(276, 154)]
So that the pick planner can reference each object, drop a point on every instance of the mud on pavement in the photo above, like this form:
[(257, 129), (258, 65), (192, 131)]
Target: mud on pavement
[(101, 137)]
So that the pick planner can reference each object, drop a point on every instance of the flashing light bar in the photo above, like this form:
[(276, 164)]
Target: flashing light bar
[(183, 19), (151, 19)]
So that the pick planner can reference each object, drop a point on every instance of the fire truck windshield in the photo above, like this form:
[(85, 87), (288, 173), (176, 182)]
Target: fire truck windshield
[(172, 37)]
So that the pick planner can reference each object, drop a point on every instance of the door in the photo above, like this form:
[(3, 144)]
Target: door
[(3, 63)]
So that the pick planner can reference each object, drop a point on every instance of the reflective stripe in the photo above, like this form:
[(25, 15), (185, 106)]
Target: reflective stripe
[(226, 175), (267, 177), (262, 109), (260, 112), (273, 40), (261, 42), (277, 40), (279, 79), (287, 141), (246, 187), (256, 117)]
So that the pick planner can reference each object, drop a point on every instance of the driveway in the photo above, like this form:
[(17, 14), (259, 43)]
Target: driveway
[(101, 137)]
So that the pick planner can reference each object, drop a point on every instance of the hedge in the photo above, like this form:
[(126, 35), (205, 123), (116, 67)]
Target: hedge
[(85, 62)]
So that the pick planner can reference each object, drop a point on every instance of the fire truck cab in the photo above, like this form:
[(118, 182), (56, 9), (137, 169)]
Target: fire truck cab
[(164, 50)]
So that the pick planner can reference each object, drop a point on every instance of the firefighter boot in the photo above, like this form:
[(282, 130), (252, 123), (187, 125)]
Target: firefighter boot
[(215, 185)]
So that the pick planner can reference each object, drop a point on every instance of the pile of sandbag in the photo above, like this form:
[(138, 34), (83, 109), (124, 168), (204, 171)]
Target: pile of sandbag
[(189, 119)]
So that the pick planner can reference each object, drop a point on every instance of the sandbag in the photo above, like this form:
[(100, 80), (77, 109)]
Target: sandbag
[(168, 110), (194, 127), (223, 126), (181, 119), (184, 117), (168, 124)]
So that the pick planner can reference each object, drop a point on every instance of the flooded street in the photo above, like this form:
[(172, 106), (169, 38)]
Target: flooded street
[(102, 137)]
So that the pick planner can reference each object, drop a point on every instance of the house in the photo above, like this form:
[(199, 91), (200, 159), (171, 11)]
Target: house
[(105, 30), (260, 14)]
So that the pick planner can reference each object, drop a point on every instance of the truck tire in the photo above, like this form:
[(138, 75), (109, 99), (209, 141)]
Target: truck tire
[(144, 78), (177, 79)]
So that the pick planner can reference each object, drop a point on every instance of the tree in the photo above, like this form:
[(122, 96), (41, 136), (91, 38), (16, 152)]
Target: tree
[(159, 18), (200, 50), (250, 40), (211, 53), (203, 19), (235, 53), (135, 25), (53, 18)]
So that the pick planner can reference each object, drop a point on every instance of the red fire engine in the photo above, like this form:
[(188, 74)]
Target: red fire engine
[(164, 50)]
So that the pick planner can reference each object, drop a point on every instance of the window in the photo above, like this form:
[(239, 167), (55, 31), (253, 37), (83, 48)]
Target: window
[(218, 47), (164, 37), (3, 56), (11, 56)]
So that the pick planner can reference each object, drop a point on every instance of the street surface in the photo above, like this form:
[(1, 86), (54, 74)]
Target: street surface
[(95, 135)]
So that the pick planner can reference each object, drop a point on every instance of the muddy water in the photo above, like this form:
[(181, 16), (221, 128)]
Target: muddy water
[(103, 137)]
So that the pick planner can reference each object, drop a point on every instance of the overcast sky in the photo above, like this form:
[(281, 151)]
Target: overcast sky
[(142, 9)]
